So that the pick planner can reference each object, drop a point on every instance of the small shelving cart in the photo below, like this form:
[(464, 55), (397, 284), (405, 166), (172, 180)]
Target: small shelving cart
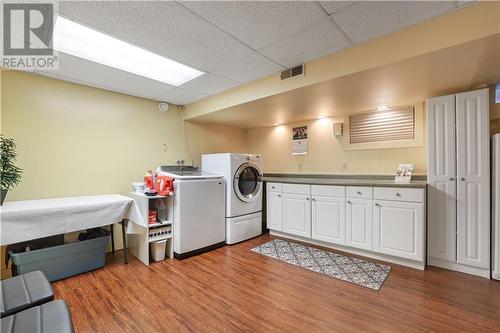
[(138, 244)]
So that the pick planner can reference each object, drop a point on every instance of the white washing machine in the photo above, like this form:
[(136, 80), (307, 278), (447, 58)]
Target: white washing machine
[(243, 176)]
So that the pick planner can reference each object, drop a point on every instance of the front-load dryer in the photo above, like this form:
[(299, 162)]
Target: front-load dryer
[(243, 176)]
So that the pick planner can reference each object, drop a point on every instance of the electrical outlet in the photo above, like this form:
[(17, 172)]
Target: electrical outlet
[(344, 165), (164, 147)]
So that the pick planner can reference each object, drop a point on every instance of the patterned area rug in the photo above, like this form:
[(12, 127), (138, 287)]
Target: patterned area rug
[(354, 270)]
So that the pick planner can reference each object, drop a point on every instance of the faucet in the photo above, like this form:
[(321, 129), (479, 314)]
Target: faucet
[(180, 164)]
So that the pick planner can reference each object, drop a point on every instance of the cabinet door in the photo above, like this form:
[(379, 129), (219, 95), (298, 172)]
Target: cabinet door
[(398, 229), (473, 175), (441, 177), (297, 214), (359, 223), (274, 211), (328, 219)]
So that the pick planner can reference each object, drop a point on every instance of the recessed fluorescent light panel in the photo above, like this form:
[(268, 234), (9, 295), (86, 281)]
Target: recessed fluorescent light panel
[(83, 42)]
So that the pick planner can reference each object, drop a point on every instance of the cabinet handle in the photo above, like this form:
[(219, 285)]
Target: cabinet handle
[(307, 198), (462, 179), (349, 202), (273, 187), (314, 199), (279, 195), (452, 179), (377, 204), (359, 192), (398, 194)]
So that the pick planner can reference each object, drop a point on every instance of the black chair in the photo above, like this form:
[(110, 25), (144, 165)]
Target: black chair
[(23, 292), (51, 317)]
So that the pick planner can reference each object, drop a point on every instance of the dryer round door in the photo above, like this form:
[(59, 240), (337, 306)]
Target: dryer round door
[(247, 182)]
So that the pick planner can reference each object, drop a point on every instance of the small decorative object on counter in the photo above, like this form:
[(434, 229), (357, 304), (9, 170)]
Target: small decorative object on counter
[(404, 173)]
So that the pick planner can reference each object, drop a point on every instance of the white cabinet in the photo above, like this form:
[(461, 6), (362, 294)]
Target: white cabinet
[(398, 229), (138, 243), (328, 219), (359, 226), (297, 214), (441, 177), (473, 175), (275, 210), (393, 229), (459, 180)]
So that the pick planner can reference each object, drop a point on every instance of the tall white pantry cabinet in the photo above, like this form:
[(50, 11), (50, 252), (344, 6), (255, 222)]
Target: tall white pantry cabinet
[(459, 182)]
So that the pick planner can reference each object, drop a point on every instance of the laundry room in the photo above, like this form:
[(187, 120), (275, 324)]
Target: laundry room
[(250, 166)]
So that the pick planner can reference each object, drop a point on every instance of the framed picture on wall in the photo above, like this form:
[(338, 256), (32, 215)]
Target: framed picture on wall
[(299, 140)]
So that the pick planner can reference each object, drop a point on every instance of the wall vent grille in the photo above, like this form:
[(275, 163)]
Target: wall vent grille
[(292, 72), (378, 126)]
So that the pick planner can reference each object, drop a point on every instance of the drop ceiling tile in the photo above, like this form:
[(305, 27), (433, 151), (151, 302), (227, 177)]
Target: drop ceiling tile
[(163, 27), (313, 42), (180, 96), (258, 23), (249, 68), (464, 2), (90, 73), (209, 84), (334, 6), (370, 19)]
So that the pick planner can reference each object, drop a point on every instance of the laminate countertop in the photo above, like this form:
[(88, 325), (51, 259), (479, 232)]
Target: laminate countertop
[(319, 180)]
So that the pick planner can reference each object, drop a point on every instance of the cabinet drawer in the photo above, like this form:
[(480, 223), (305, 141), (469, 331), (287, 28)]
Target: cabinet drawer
[(274, 187), (297, 188), (399, 194), (328, 190), (362, 192)]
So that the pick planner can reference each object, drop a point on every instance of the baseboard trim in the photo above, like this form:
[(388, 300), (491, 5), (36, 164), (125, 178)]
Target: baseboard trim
[(198, 251), (398, 261), (485, 273), (495, 275)]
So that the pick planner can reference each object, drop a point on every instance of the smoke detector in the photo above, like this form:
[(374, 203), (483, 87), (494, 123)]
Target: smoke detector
[(163, 106)]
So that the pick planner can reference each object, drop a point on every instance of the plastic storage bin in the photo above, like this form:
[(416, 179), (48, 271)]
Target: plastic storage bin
[(59, 262), (158, 250)]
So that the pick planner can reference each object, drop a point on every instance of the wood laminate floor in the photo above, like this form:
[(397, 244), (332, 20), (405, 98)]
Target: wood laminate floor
[(235, 290)]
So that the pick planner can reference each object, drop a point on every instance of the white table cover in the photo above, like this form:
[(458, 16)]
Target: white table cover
[(32, 219)]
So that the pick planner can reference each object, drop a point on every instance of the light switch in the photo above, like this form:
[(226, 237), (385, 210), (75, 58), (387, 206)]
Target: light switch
[(338, 129)]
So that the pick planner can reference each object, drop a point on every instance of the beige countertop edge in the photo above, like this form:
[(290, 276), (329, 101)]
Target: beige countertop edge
[(345, 182)]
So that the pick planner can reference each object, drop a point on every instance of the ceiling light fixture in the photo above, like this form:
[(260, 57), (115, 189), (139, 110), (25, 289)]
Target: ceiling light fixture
[(83, 42), (276, 124), (321, 117), (382, 108)]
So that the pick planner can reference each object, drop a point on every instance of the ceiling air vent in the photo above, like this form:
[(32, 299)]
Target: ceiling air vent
[(292, 72)]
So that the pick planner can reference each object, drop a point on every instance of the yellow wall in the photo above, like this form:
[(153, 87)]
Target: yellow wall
[(78, 140), (327, 153), (211, 138)]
